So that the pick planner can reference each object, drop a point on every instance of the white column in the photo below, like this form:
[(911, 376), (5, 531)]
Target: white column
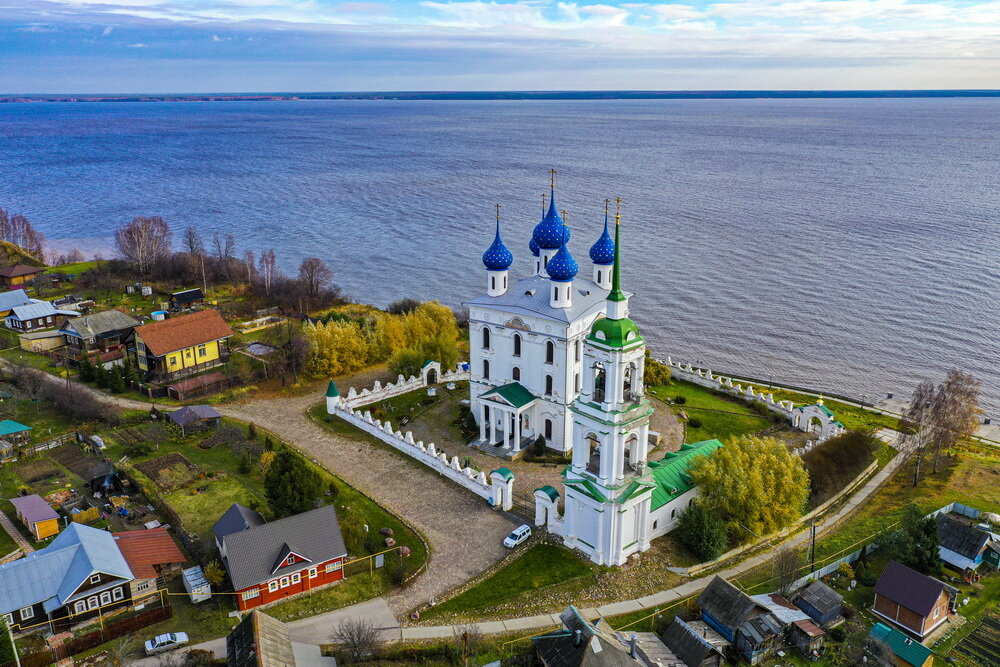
[(517, 431), (506, 430), (493, 425), (482, 421)]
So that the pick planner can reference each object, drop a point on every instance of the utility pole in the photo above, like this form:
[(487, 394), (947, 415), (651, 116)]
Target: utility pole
[(812, 549)]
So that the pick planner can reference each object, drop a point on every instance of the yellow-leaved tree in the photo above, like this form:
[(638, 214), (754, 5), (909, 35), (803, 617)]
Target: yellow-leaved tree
[(754, 484), (335, 348)]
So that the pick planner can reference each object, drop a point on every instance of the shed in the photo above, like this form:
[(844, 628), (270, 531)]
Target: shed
[(690, 646), (725, 607), (912, 600), (36, 515), (906, 652), (820, 602), (40, 341), (188, 298), (196, 585), (14, 431), (807, 637), (195, 416)]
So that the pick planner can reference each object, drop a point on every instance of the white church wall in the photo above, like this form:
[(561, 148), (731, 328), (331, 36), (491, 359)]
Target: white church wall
[(666, 517), (729, 386), (380, 392)]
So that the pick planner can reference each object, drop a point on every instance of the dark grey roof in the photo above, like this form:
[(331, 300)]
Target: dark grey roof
[(193, 413), (251, 554), (690, 647), (235, 519), (908, 588), (761, 628), (960, 537), (107, 321), (823, 598), (726, 603), (187, 296), (594, 646), (259, 641)]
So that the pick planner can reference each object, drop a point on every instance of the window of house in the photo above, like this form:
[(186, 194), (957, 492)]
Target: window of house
[(290, 560), (27, 612), (334, 566), (173, 361), (517, 345), (486, 369), (142, 585), (548, 384), (516, 374), (654, 524), (105, 598), (251, 594), (117, 594), (673, 513), (202, 351), (550, 352), (80, 607), (548, 429), (95, 578), (576, 383), (937, 612), (272, 586), (578, 346), (284, 582), (92, 602), (313, 573), (486, 338), (297, 577)]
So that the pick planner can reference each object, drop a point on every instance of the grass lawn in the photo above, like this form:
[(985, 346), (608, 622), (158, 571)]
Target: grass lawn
[(720, 417), (200, 511), (30, 359), (349, 591), (74, 269), (540, 566)]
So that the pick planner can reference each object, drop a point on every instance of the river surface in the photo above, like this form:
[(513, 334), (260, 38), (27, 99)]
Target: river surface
[(847, 245)]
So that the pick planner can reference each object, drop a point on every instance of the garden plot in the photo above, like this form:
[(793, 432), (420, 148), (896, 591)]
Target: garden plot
[(171, 471)]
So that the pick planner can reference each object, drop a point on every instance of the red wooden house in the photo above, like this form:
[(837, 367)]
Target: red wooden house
[(268, 562)]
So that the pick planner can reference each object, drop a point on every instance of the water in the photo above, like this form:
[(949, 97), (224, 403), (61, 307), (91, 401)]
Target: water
[(848, 245)]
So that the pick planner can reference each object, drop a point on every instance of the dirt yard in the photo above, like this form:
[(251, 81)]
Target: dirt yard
[(169, 472)]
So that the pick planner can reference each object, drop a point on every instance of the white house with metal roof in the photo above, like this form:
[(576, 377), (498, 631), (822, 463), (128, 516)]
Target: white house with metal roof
[(527, 336)]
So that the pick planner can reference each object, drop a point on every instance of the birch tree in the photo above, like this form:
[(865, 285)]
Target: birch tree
[(143, 241), (268, 269)]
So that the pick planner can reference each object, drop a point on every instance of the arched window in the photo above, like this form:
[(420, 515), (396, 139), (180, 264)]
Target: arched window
[(598, 275), (576, 383), (486, 369), (550, 352), (516, 374), (579, 345), (548, 384), (548, 429), (493, 282), (600, 379), (627, 384), (673, 513), (517, 345), (545, 261), (593, 453), (486, 338)]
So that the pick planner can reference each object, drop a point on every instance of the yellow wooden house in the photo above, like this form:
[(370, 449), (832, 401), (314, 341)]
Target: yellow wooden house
[(180, 346)]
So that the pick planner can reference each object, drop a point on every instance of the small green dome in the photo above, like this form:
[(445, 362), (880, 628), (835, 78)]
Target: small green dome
[(615, 333), (331, 390)]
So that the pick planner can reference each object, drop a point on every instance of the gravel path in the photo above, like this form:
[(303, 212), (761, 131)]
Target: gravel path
[(464, 534)]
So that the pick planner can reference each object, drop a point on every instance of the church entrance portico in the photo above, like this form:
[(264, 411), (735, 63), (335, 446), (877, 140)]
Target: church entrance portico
[(505, 417)]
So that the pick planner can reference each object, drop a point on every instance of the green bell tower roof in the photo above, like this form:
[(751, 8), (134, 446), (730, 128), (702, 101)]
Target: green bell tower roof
[(614, 330)]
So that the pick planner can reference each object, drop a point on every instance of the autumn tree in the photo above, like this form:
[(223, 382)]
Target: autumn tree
[(754, 483), (336, 348), (786, 569), (268, 269), (940, 415), (315, 276), (702, 532), (17, 229), (144, 241)]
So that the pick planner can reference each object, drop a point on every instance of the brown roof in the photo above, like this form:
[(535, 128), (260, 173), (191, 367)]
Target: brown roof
[(809, 628), (184, 331), (908, 588), (19, 270), (198, 382), (143, 549)]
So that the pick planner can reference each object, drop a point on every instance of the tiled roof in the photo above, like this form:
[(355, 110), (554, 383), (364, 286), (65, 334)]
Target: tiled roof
[(908, 588), (33, 508), (252, 553), (183, 331), (671, 472), (106, 321), (906, 649), (18, 270), (143, 549)]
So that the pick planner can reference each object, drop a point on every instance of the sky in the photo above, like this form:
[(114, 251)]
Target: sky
[(197, 46)]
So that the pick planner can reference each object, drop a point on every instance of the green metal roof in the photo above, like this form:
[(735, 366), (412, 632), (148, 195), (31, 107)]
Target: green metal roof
[(331, 390), (615, 333), (634, 488), (427, 363), (9, 426), (587, 487), (550, 491), (514, 393), (906, 649), (504, 472), (671, 472)]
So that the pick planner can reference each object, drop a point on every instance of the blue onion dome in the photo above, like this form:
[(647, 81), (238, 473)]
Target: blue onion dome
[(497, 257), (551, 233), (603, 252), (533, 247), (562, 267)]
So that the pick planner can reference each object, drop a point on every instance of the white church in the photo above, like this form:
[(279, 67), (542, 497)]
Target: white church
[(554, 354)]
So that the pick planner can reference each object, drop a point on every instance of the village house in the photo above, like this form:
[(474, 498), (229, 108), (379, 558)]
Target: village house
[(19, 274), (820, 602), (35, 315), (903, 651), (964, 547), (268, 562), (752, 630), (582, 643), (80, 575), (15, 297), (188, 299), (100, 336), (260, 640), (180, 346), (691, 646), (37, 515), (15, 432), (913, 601), (41, 341), (799, 629), (152, 556)]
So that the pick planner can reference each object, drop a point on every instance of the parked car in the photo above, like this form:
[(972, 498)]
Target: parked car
[(162, 643), (519, 534)]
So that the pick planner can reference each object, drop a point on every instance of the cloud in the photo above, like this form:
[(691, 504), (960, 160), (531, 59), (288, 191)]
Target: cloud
[(107, 31), (138, 45)]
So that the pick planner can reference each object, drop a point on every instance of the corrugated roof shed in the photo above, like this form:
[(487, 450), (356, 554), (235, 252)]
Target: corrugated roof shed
[(906, 649), (823, 598), (251, 554), (193, 413), (9, 427), (960, 537), (34, 508)]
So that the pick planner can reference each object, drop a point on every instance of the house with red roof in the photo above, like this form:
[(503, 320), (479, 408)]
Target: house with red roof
[(180, 346), (153, 557)]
